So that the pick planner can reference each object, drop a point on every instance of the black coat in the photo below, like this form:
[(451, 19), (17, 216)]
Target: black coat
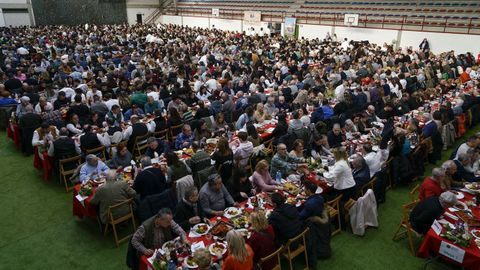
[(184, 213), (425, 213), (286, 223), (150, 181)]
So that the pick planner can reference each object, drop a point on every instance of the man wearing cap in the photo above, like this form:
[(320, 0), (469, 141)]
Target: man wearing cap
[(92, 168), (214, 197), (155, 231)]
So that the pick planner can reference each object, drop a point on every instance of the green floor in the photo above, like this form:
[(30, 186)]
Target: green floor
[(38, 231)]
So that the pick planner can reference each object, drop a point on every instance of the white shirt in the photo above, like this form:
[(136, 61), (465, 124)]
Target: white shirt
[(103, 138), (375, 160), (90, 94), (339, 92), (38, 108), (343, 175), (111, 102), (74, 129), (36, 138), (463, 148), (211, 84)]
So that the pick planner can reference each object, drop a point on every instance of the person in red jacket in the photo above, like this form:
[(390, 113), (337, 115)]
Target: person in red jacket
[(262, 240), (431, 185)]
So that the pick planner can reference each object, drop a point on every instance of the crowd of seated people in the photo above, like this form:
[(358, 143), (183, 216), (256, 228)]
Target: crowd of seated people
[(82, 88)]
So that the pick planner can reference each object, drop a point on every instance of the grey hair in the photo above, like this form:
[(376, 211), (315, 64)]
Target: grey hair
[(146, 161), (90, 157), (438, 173), (336, 125), (111, 175), (463, 157), (428, 116), (190, 192), (447, 198), (447, 164), (164, 212)]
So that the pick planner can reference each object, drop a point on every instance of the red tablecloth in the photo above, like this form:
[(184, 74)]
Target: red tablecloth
[(46, 163), (431, 245), (13, 132), (86, 209), (266, 135)]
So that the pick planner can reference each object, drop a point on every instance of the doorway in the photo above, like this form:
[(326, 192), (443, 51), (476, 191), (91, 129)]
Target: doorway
[(139, 18)]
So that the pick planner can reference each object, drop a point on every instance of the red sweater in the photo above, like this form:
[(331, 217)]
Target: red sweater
[(231, 263), (429, 188), (263, 244)]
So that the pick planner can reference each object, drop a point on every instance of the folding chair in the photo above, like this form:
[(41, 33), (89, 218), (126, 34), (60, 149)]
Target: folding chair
[(275, 255), (162, 134), (290, 254), (333, 208), (113, 221), (414, 193), (99, 152), (140, 146), (174, 131), (67, 168), (405, 228)]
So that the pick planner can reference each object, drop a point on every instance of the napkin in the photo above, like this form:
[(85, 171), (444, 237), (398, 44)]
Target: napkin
[(197, 245)]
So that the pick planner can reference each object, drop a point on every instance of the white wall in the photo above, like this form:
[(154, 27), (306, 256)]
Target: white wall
[(226, 25), (132, 14), (311, 31), (138, 2), (13, 1), (16, 18), (378, 36), (440, 42), (201, 22), (2, 20)]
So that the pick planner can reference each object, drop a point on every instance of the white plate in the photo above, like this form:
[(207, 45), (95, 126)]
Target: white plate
[(127, 169), (319, 190), (164, 246), (194, 229), (190, 266), (462, 204), (210, 248), (231, 209), (477, 231), (459, 195)]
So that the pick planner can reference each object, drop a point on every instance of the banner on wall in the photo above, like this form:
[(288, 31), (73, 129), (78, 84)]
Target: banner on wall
[(289, 26), (252, 16), (215, 12)]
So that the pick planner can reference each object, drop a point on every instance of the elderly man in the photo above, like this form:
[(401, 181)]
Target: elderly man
[(335, 136), (284, 163), (430, 126), (52, 116), (450, 169), (431, 186), (270, 108), (111, 193), (188, 212), (22, 107), (214, 196), (463, 161), (282, 105), (92, 168), (156, 147), (155, 231), (200, 159), (184, 138), (360, 172), (426, 211), (42, 102), (471, 143)]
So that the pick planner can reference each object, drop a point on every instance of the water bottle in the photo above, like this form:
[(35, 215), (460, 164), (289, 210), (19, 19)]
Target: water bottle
[(278, 177), (171, 265)]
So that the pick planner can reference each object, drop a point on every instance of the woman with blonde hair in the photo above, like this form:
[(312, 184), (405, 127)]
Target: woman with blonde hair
[(262, 239), (342, 174), (240, 254), (262, 180), (259, 113)]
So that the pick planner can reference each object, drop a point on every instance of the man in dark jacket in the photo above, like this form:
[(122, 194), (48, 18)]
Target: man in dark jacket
[(156, 147), (284, 219), (335, 137), (315, 216), (149, 181), (361, 172), (188, 212), (426, 211), (464, 159)]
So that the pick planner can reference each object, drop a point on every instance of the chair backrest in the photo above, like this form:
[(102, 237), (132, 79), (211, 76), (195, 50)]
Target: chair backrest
[(99, 152), (69, 165), (162, 134), (150, 205), (202, 176), (335, 203), (182, 185), (406, 210), (302, 236), (175, 130), (275, 255), (414, 192), (114, 210)]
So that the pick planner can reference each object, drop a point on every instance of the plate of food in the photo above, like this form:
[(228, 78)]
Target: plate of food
[(291, 188), (255, 201), (460, 206), (201, 228), (474, 187), (169, 245), (240, 222), (217, 248), (127, 169), (476, 233), (231, 212), (458, 194), (220, 229), (190, 263)]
